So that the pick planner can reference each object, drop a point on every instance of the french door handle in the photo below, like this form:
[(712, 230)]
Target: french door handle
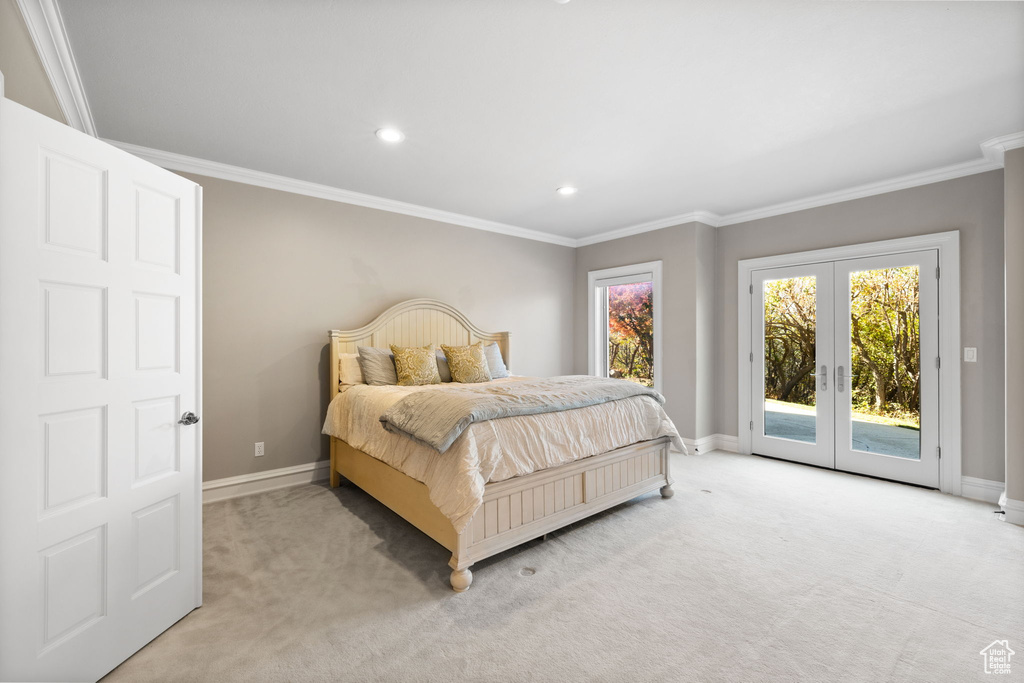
[(839, 379), (824, 378)]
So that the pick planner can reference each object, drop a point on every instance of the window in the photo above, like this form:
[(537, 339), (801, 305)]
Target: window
[(624, 323)]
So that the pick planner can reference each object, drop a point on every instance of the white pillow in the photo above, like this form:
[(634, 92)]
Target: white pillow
[(348, 365), (494, 361)]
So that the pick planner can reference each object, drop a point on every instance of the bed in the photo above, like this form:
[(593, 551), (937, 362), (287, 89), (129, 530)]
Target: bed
[(510, 511)]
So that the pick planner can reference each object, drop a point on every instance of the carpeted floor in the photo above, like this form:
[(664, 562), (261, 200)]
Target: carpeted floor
[(757, 570)]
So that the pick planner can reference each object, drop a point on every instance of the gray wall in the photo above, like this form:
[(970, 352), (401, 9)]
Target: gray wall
[(974, 206), (1014, 314), (25, 81), (281, 269), (684, 358)]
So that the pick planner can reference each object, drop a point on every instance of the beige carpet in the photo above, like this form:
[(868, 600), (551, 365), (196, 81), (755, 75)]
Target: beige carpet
[(757, 570)]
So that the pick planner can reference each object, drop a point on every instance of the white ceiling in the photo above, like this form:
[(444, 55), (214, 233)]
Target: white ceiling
[(652, 108)]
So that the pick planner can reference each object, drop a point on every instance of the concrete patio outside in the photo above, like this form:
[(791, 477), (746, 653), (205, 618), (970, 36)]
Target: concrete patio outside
[(796, 422)]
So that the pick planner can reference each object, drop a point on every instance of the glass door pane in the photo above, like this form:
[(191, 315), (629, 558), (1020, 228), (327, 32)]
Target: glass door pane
[(630, 315), (790, 358), (885, 361)]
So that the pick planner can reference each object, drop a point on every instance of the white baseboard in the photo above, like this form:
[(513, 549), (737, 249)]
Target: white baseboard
[(715, 442), (724, 442), (981, 489), (246, 484), (1013, 510)]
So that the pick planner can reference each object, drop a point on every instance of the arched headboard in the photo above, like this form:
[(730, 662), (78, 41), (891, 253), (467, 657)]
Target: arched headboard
[(416, 322)]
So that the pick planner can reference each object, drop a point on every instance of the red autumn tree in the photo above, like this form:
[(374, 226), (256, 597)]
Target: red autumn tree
[(631, 332)]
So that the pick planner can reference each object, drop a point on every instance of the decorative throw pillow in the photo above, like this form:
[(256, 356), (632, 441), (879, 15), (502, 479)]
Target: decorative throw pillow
[(442, 367), (494, 361), (468, 363), (378, 366), (348, 366), (416, 366)]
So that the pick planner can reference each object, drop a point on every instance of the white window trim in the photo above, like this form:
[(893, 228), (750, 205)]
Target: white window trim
[(948, 245), (597, 313)]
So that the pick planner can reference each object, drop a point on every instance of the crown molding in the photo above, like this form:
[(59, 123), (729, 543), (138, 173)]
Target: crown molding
[(992, 150), (904, 182), (46, 26), (238, 174), (705, 217), (995, 149)]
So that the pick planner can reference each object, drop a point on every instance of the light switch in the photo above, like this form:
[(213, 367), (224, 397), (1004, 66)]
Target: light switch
[(970, 354)]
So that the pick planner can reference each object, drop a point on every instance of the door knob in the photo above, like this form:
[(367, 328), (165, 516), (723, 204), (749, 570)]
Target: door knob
[(188, 419)]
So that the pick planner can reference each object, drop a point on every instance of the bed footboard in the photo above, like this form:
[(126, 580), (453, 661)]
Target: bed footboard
[(524, 508)]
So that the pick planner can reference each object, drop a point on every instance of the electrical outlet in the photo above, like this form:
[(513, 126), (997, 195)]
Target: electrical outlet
[(970, 354), (259, 449)]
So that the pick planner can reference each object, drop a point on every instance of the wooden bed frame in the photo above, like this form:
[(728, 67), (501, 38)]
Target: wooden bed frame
[(515, 510)]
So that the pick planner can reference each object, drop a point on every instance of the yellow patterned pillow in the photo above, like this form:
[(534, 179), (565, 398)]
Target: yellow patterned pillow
[(468, 363), (416, 366)]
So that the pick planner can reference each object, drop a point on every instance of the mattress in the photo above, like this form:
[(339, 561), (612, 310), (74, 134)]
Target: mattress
[(494, 450)]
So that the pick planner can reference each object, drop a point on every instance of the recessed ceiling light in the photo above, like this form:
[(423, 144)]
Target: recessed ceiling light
[(390, 134), (566, 190)]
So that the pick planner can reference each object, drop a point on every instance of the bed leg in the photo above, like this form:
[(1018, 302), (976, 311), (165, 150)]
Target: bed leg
[(666, 491), (461, 580), (335, 477)]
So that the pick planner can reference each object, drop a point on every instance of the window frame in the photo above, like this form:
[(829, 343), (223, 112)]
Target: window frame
[(598, 282)]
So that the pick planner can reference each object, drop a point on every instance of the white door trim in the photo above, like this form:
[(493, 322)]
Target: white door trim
[(595, 315), (948, 246)]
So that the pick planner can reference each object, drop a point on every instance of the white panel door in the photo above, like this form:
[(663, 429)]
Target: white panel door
[(99, 357), (791, 362)]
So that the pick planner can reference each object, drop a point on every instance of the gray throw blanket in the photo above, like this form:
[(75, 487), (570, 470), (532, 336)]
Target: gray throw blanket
[(437, 415)]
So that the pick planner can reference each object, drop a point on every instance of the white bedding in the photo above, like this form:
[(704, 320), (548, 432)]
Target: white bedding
[(493, 450)]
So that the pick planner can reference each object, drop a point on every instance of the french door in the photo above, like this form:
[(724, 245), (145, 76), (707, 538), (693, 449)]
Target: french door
[(844, 365)]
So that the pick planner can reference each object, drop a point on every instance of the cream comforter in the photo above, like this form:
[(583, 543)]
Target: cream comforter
[(494, 450)]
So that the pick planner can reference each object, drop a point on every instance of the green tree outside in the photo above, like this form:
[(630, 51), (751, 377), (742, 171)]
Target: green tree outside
[(885, 350)]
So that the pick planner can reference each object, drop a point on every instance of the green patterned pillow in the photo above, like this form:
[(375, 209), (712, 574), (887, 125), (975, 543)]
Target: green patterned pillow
[(416, 366), (468, 363)]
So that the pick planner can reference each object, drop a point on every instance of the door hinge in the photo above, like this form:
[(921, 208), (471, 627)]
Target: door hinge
[(751, 356), (938, 272), (938, 449), (751, 425), (938, 362), (751, 289)]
